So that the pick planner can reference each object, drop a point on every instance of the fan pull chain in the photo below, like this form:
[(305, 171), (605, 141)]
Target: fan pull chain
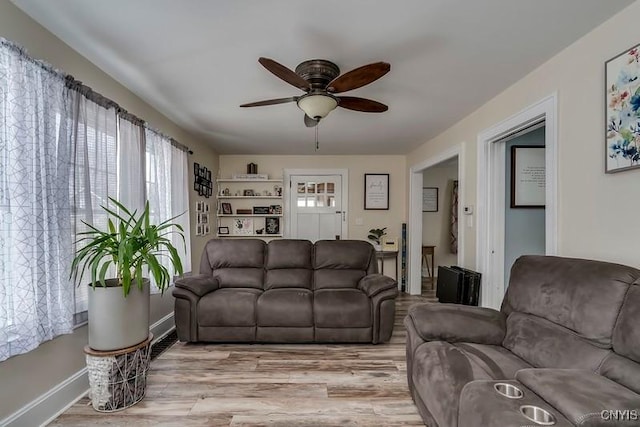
[(317, 143)]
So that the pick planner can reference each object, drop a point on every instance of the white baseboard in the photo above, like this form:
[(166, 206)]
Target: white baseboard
[(50, 405)]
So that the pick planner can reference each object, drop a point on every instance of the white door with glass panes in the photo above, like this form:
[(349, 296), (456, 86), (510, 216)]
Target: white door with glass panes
[(316, 207)]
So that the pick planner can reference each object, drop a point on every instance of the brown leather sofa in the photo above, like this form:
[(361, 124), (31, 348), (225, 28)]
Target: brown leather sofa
[(567, 335), (286, 291)]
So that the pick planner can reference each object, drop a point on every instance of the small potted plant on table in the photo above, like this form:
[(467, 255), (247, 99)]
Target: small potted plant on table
[(376, 235)]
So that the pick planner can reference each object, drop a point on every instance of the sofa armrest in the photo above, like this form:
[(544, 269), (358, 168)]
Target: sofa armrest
[(373, 284), (458, 323), (199, 284)]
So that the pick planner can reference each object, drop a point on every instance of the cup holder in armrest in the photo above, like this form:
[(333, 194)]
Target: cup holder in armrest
[(508, 390), (538, 415)]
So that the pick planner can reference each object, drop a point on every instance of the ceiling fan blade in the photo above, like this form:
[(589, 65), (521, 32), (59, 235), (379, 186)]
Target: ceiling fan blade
[(361, 104), (309, 122), (285, 74), (271, 102), (359, 77)]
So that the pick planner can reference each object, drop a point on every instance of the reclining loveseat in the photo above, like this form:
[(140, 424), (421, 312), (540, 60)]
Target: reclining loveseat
[(563, 350)]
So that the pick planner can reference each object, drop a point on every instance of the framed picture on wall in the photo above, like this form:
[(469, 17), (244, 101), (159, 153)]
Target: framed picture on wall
[(430, 199), (622, 108), (527, 176), (376, 191)]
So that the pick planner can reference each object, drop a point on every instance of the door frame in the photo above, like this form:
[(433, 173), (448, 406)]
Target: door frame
[(490, 201), (344, 173), (414, 228)]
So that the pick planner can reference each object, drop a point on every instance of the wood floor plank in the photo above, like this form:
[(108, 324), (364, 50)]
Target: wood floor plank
[(271, 385)]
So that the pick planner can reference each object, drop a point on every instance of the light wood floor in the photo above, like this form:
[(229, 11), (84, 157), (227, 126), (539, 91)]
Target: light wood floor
[(271, 385)]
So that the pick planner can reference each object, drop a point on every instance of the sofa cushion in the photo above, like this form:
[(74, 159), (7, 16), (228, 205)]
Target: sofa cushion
[(341, 308), (582, 295), (224, 253), (332, 279), (288, 278), (544, 344), (238, 277), (342, 263), (626, 335), (285, 307), (343, 254), (439, 372), (581, 395), (228, 307), (235, 263), (289, 254), (621, 370), (289, 264)]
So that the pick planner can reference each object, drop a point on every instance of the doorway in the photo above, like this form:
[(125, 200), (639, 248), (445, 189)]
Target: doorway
[(316, 204), (416, 216), (524, 231), (439, 221), (491, 194)]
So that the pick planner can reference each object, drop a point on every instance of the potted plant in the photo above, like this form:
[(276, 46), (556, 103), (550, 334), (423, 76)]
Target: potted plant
[(119, 307), (376, 235)]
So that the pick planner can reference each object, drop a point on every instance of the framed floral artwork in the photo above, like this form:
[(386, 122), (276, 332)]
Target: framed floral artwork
[(622, 111)]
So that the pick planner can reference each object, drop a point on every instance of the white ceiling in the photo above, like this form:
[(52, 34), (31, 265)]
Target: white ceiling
[(196, 60)]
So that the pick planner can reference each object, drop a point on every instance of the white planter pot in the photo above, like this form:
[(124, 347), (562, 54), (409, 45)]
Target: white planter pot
[(116, 322)]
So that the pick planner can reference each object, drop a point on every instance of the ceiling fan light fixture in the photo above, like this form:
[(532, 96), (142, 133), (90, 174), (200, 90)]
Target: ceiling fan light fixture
[(317, 106)]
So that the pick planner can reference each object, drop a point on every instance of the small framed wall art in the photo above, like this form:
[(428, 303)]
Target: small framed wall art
[(430, 199), (376, 191), (527, 176)]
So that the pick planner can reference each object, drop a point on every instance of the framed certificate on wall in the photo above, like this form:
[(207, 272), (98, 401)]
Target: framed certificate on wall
[(527, 176)]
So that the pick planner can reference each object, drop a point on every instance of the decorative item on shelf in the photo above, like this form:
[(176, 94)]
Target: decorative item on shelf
[(202, 180), (250, 176), (248, 193), (261, 210), (272, 225), (226, 192), (243, 226), (200, 206), (237, 193), (376, 235), (275, 209), (226, 208), (277, 190), (243, 211), (252, 168), (223, 230), (260, 231)]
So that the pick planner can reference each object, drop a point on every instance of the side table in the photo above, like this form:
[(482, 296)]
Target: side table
[(118, 378), (382, 255)]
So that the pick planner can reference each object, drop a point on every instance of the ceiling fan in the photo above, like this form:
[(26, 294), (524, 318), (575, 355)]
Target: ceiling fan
[(321, 80)]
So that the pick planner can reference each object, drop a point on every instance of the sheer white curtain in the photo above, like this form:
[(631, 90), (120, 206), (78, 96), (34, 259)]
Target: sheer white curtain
[(36, 233), (95, 171), (131, 164), (167, 189)]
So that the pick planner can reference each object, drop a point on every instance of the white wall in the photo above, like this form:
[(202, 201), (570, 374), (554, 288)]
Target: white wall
[(357, 165), (435, 225), (596, 211)]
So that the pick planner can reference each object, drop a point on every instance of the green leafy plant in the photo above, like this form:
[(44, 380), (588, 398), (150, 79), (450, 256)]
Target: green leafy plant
[(376, 234), (130, 244)]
